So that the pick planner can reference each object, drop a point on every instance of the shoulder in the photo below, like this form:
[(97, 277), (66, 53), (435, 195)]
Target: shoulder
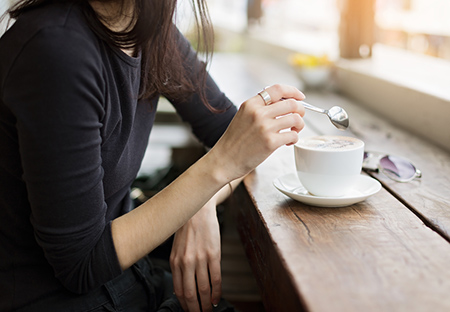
[(54, 35), (65, 15)]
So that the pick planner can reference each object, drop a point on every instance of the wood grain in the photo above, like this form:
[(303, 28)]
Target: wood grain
[(428, 197), (372, 256), (388, 253)]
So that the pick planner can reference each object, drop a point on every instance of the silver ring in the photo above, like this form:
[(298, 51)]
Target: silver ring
[(266, 97)]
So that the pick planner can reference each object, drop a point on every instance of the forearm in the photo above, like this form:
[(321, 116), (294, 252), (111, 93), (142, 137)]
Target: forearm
[(226, 191), (209, 209), (140, 231), (199, 239), (252, 136)]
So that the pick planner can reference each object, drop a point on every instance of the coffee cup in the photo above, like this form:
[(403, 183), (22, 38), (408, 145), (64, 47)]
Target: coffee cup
[(329, 166)]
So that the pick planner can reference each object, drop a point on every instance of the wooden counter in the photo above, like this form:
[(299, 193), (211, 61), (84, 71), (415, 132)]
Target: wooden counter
[(390, 252)]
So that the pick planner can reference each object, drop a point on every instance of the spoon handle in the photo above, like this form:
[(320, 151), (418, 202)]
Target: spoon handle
[(313, 108)]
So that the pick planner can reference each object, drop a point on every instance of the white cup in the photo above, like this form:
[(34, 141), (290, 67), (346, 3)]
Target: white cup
[(329, 166)]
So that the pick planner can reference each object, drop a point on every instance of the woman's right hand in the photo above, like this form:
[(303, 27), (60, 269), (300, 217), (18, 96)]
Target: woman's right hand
[(256, 130), (254, 133)]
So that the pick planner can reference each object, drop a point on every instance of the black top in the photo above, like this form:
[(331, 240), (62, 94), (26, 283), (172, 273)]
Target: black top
[(72, 138)]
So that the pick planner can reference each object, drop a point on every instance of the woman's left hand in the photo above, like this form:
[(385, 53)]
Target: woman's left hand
[(195, 261)]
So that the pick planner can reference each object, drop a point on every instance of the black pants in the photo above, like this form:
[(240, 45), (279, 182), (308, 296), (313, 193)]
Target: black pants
[(143, 287)]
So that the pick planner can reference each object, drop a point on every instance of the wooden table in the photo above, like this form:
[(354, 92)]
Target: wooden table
[(390, 252)]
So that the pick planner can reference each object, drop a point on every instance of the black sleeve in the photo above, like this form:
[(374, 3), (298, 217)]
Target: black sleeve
[(207, 126), (55, 90)]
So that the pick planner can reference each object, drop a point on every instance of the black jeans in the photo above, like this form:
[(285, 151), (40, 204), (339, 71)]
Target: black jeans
[(143, 287)]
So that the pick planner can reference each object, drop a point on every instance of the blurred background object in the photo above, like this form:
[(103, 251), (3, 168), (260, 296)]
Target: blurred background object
[(254, 11), (313, 70), (356, 28), (392, 56), (341, 28)]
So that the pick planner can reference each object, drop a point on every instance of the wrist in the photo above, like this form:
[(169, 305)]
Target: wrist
[(209, 210), (216, 168), (204, 215)]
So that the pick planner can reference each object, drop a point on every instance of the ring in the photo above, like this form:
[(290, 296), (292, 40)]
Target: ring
[(266, 97)]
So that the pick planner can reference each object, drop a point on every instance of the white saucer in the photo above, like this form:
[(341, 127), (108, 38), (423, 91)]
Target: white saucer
[(290, 185)]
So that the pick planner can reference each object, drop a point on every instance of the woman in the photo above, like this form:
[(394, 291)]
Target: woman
[(79, 84)]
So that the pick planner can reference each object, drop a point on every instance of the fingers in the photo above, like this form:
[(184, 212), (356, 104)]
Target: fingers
[(288, 137), (281, 100), (203, 288), (197, 286), (195, 261), (215, 277), (177, 277), (178, 283), (286, 113), (293, 122), (279, 92), (190, 290), (184, 281), (284, 107)]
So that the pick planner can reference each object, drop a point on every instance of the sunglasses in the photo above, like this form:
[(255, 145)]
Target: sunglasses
[(396, 168)]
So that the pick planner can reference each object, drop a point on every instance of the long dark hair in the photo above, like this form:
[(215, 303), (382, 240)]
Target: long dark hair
[(152, 32)]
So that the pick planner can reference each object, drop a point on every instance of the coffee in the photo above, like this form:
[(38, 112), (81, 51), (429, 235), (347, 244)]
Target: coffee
[(329, 165), (330, 143)]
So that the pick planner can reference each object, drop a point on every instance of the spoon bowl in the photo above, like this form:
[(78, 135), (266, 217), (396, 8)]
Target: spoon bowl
[(337, 115)]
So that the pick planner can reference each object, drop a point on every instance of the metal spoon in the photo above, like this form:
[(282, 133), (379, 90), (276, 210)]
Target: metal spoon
[(338, 116)]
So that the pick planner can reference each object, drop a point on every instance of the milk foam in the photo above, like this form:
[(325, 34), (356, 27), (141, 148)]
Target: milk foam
[(330, 143)]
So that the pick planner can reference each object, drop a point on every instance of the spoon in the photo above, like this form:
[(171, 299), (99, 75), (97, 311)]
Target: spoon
[(338, 116)]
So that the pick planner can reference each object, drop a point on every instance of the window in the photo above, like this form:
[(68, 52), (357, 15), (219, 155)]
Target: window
[(395, 52), (313, 26), (417, 25), (308, 26)]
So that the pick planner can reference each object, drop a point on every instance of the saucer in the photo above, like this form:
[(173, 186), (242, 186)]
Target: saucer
[(290, 185)]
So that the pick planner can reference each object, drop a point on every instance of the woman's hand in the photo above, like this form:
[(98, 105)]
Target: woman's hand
[(195, 261), (258, 129), (255, 132)]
